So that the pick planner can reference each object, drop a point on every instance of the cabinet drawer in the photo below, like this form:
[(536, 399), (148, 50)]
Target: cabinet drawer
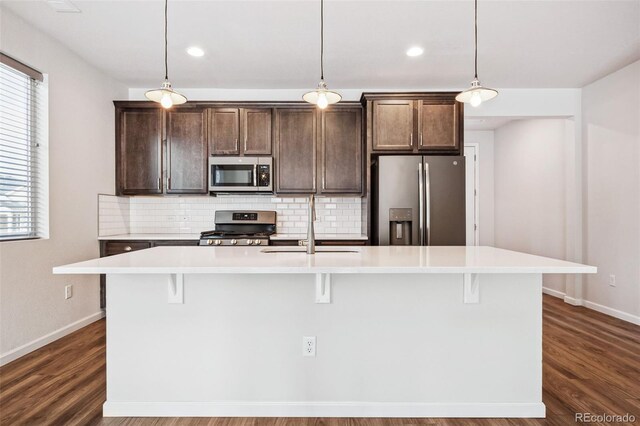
[(119, 247), (175, 243), (341, 243)]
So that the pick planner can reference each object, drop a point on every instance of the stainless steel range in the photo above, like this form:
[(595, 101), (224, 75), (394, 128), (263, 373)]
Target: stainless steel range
[(240, 228)]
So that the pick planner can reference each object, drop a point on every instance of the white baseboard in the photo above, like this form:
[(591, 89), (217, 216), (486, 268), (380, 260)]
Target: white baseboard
[(634, 319), (16, 353), (554, 293), (573, 301), (321, 409)]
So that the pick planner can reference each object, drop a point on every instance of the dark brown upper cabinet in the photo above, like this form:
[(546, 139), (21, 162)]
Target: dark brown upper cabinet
[(256, 131), (295, 150), (166, 152), (224, 131), (414, 122), (139, 151), (240, 131), (393, 125), (186, 151), (340, 151), (438, 126)]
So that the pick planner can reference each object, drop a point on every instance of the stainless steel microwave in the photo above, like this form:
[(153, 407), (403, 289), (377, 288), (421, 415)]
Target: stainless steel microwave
[(240, 174)]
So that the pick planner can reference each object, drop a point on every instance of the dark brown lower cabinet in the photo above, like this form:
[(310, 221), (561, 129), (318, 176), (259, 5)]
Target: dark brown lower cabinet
[(320, 242), (113, 247)]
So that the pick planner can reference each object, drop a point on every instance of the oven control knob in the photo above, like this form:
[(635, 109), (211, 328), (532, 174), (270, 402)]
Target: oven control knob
[(209, 242), (250, 242), (217, 242), (258, 242), (234, 242)]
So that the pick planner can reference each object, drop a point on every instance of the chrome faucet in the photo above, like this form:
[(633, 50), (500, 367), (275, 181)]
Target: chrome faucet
[(311, 235)]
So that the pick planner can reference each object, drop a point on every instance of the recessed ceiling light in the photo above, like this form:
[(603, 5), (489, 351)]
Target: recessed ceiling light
[(64, 6), (415, 51), (195, 51)]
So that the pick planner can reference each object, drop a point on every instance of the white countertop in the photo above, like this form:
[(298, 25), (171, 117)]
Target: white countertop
[(145, 237), (183, 237), (368, 259)]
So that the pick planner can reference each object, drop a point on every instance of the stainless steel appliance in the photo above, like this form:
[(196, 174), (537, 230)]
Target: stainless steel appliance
[(240, 228), (240, 174), (418, 200)]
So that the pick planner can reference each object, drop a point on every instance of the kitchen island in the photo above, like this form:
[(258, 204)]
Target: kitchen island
[(399, 331)]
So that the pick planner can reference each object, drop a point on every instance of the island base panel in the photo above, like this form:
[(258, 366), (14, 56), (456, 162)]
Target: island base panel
[(388, 345)]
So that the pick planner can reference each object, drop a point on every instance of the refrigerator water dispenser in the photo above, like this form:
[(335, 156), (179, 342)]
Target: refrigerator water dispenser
[(400, 226)]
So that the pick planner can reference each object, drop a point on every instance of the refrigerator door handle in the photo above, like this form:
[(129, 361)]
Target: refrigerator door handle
[(427, 196), (421, 201)]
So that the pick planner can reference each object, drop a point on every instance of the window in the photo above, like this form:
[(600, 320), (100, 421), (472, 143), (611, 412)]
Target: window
[(23, 161)]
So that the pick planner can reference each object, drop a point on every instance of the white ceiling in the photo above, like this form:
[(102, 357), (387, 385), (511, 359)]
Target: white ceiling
[(487, 123), (275, 44)]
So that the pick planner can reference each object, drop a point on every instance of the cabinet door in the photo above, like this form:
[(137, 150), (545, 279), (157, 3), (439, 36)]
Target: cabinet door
[(186, 152), (224, 131), (341, 151), (296, 131), (256, 131), (438, 125), (393, 125), (139, 151)]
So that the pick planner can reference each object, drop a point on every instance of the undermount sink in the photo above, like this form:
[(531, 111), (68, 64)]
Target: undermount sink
[(303, 250)]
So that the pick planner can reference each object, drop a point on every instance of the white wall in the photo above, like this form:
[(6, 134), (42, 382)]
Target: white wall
[(530, 193), (81, 164), (611, 137), (484, 139)]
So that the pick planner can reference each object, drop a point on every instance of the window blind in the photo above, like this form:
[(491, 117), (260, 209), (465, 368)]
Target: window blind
[(23, 202)]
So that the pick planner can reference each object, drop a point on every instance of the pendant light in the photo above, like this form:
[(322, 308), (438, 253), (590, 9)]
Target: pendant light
[(476, 94), (322, 96), (165, 95)]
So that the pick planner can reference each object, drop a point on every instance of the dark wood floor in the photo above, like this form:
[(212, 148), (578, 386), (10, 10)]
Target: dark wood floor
[(591, 364)]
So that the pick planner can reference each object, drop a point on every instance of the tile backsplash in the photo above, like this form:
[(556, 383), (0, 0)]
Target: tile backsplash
[(192, 215), (113, 215)]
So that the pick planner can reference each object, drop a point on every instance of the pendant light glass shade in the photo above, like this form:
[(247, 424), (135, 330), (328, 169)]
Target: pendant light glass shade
[(476, 94), (322, 97), (165, 95)]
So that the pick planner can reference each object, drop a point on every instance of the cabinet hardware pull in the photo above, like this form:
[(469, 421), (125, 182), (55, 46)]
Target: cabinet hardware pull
[(411, 138), (237, 146), (169, 183), (127, 248), (159, 184), (420, 138), (245, 143)]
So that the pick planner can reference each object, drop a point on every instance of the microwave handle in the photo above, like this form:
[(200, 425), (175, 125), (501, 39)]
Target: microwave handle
[(255, 175)]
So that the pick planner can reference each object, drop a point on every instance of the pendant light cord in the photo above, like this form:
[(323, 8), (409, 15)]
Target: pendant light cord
[(166, 63), (322, 40), (476, 37)]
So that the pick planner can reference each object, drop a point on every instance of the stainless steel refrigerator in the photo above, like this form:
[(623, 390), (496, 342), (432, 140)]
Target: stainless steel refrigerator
[(418, 200)]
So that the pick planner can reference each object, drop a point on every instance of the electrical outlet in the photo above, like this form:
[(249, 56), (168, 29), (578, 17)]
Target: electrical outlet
[(68, 291), (612, 280), (309, 346)]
